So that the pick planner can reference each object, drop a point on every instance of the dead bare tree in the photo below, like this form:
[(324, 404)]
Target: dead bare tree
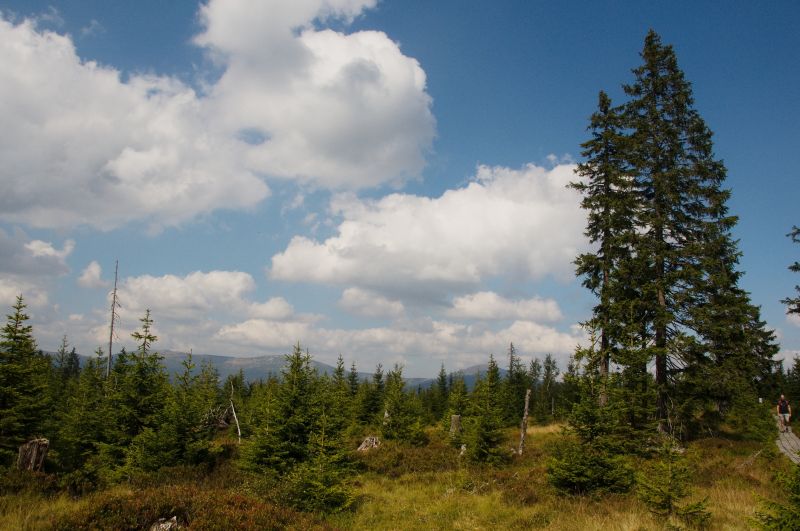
[(523, 429), (235, 418), (114, 318)]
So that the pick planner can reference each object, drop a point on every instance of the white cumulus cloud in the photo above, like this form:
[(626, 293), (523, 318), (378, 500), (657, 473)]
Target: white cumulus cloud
[(81, 146), (276, 308), (34, 294), (192, 296), (369, 304), (522, 223), (339, 110), (91, 277), (85, 144), (487, 305), (29, 267)]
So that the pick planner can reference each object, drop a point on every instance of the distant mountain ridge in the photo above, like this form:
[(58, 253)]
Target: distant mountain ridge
[(261, 367)]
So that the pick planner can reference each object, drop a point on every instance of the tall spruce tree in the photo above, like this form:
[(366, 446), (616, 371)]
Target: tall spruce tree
[(793, 304), (665, 272), (610, 200), (682, 208)]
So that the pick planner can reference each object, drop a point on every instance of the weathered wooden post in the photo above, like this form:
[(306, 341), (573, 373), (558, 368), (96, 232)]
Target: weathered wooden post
[(455, 426), (32, 455), (523, 429)]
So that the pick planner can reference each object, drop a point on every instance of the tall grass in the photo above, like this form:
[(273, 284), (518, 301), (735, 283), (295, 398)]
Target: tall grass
[(30, 511), (400, 487), (732, 475)]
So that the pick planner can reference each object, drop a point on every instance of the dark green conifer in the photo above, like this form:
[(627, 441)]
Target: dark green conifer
[(352, 379), (137, 394), (338, 401), (84, 428), (514, 387), (793, 304), (457, 404), (402, 420), (663, 487), (665, 271), (182, 434), (610, 200), (441, 392), (283, 441), (545, 399), (24, 374), (484, 435), (681, 214), (370, 398), (784, 514)]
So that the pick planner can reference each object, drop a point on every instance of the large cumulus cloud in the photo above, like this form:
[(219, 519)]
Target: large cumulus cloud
[(85, 144), (522, 223)]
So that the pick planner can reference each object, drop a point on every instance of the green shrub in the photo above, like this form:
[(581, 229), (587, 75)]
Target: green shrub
[(663, 485), (317, 486), (752, 421), (13, 481), (780, 516), (394, 460), (580, 469)]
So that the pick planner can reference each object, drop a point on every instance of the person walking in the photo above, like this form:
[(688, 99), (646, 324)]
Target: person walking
[(784, 414)]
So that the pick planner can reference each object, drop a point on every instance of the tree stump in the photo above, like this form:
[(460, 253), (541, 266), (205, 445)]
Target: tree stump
[(455, 425), (166, 525), (32, 455), (369, 443)]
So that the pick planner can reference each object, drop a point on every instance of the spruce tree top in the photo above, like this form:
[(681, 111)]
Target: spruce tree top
[(17, 335)]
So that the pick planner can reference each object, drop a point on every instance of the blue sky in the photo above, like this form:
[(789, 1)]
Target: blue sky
[(384, 181)]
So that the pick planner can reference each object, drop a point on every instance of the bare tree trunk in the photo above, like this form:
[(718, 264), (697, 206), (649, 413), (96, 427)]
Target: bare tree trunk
[(235, 418), (32, 455), (661, 368), (114, 306), (523, 429), (604, 368)]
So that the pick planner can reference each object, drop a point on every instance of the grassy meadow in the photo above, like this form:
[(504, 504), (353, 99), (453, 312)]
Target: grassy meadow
[(403, 487)]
